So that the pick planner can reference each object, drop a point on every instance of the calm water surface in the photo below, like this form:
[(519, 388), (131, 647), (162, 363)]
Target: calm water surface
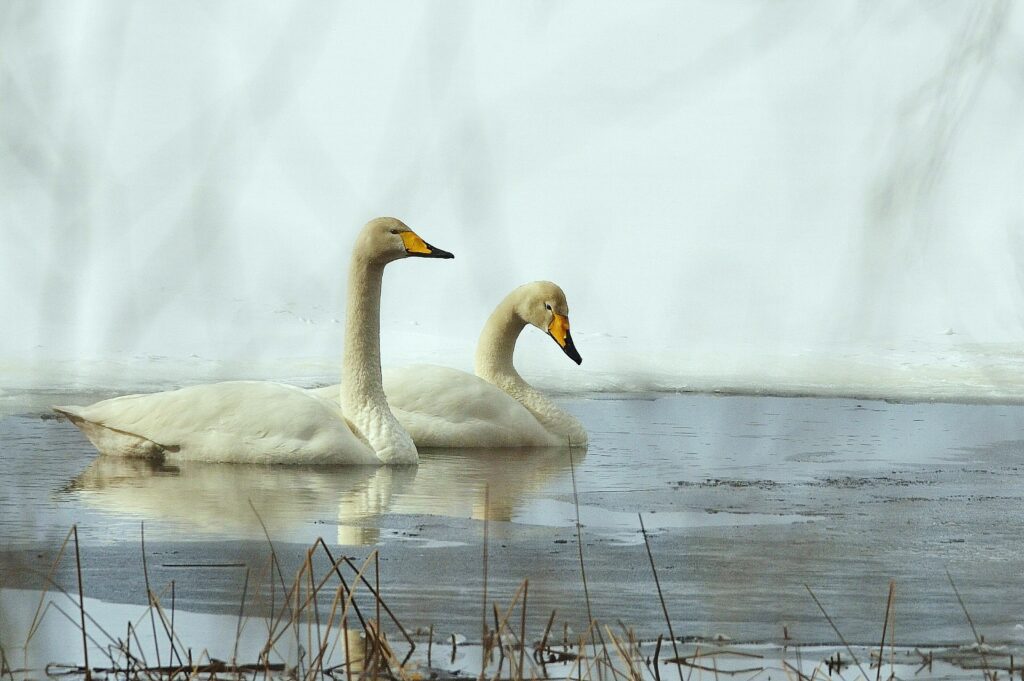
[(746, 499)]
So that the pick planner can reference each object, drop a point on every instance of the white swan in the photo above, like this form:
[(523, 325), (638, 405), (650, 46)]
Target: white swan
[(264, 422), (444, 407)]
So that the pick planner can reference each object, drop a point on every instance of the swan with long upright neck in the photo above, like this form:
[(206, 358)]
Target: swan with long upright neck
[(266, 422), (444, 407)]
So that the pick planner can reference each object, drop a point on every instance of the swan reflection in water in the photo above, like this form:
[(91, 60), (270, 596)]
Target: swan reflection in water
[(299, 503)]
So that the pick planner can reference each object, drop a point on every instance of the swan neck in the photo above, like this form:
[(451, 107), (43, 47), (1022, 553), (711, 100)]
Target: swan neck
[(497, 344), (361, 376), (362, 388)]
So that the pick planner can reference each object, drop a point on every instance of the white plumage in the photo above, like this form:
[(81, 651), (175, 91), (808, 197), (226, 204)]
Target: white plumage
[(264, 422), (443, 407)]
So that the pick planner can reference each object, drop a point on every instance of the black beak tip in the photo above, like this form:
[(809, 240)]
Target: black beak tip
[(571, 351), (436, 252)]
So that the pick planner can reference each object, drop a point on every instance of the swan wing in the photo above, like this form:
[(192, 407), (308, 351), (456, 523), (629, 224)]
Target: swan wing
[(444, 407), (328, 392)]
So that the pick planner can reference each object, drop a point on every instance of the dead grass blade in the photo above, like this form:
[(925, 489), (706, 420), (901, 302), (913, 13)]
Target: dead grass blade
[(661, 596), (885, 626), (977, 638), (838, 633)]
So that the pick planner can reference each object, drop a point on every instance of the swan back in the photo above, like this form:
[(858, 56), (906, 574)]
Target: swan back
[(233, 421)]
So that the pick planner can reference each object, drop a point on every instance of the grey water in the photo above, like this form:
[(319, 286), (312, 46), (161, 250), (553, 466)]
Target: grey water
[(748, 501)]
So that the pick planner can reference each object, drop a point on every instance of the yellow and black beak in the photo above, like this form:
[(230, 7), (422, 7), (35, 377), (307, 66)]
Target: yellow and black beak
[(416, 246), (559, 330)]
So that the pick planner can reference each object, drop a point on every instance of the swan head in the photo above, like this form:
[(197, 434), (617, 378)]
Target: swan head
[(385, 240), (543, 304)]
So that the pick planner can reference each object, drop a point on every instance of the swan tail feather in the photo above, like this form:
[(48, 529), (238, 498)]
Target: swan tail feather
[(114, 441)]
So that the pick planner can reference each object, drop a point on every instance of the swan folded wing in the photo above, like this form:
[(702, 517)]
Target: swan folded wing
[(236, 421), (111, 440), (444, 407), (328, 392)]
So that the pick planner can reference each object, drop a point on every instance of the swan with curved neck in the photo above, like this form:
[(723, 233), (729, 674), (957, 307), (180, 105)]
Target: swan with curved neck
[(445, 407), (541, 304), (266, 422)]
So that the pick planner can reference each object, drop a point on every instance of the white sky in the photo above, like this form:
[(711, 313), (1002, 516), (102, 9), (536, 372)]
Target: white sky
[(186, 178)]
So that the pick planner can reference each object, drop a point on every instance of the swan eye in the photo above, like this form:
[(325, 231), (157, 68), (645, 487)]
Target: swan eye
[(394, 231), (547, 305)]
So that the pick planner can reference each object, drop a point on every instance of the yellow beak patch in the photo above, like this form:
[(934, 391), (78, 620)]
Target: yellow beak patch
[(414, 244), (559, 328)]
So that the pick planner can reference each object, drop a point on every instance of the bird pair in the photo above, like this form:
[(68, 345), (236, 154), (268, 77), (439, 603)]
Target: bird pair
[(371, 417)]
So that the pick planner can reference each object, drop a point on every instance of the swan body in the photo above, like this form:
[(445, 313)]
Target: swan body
[(237, 421), (443, 407), (266, 422)]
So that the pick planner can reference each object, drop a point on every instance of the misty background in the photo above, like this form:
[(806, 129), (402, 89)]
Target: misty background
[(786, 196)]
